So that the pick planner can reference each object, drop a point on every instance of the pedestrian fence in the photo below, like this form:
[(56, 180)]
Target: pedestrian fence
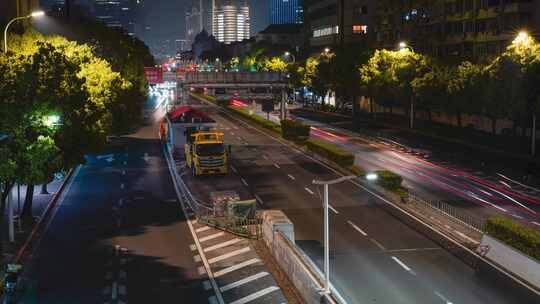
[(449, 212), (249, 227)]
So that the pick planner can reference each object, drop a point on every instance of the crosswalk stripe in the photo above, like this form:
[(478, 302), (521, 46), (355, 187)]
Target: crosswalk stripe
[(228, 255), (235, 267), (202, 229), (211, 237), (244, 281), (221, 245), (255, 295)]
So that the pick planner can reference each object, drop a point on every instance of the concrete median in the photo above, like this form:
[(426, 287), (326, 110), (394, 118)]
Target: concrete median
[(278, 235)]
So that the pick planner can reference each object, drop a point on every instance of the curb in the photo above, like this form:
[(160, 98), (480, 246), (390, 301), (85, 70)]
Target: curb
[(26, 247)]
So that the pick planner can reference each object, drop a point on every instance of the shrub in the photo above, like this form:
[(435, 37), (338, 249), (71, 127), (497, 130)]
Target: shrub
[(357, 170), (267, 124), (332, 152), (389, 180), (294, 130), (524, 239)]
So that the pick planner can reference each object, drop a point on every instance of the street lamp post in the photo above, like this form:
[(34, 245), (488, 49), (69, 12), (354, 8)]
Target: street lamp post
[(404, 46), (289, 54), (32, 15), (326, 229)]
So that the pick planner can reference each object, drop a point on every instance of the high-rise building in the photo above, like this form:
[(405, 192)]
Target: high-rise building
[(116, 13), (286, 11), (231, 21), (469, 29), (194, 24), (340, 22)]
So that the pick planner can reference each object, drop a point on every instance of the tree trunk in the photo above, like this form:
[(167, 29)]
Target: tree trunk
[(28, 200), (44, 189), (3, 205)]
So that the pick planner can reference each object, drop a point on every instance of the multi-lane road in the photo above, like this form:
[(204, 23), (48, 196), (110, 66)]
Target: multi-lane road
[(375, 258), (117, 234), (474, 193)]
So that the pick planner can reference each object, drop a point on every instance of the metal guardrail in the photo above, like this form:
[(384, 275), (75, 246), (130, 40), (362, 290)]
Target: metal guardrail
[(450, 212), (246, 227), (234, 77)]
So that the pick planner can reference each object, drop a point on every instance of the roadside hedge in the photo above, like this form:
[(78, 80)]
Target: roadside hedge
[(332, 152), (389, 180), (267, 124), (294, 130), (522, 238)]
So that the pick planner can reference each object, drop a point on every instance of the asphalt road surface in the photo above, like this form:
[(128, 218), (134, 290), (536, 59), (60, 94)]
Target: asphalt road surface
[(471, 192), (118, 234), (375, 258)]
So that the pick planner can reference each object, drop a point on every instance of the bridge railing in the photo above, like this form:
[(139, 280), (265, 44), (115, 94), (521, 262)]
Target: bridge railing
[(235, 77)]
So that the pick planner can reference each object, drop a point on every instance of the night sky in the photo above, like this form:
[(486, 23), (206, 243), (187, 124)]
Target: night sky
[(166, 17)]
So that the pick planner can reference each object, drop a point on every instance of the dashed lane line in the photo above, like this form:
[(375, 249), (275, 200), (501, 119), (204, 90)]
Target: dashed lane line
[(244, 182), (403, 265), (357, 228), (277, 166), (244, 281), (202, 229), (235, 267), (122, 186), (234, 169), (291, 177), (259, 199), (229, 255), (374, 241), (438, 294), (255, 295), (333, 209), (265, 157), (309, 190), (211, 237), (221, 245)]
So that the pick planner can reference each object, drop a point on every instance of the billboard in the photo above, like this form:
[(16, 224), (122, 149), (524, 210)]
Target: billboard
[(153, 75)]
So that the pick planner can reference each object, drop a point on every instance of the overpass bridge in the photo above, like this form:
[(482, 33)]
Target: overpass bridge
[(236, 80)]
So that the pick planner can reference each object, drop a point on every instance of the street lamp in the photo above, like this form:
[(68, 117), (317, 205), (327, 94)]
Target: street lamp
[(289, 54), (372, 177), (326, 233), (403, 46), (32, 15)]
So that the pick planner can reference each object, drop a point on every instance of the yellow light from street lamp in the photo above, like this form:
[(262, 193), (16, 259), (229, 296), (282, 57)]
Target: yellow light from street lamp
[(37, 14), (287, 54), (521, 38), (402, 45), (327, 50)]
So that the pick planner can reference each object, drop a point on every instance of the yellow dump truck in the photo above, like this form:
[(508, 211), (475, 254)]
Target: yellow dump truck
[(205, 153)]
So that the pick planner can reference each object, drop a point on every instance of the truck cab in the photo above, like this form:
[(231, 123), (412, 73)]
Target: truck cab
[(206, 153)]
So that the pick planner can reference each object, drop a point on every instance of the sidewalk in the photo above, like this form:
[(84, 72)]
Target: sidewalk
[(40, 203)]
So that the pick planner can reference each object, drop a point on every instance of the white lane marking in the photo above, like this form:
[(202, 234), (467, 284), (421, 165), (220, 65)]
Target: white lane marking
[(491, 204), (236, 267), (374, 241), (505, 184), (255, 295), (265, 157), (201, 270), (202, 229), (517, 216), (125, 163), (213, 282), (259, 199), (446, 301), (229, 255), (221, 245), (357, 228), (309, 190), (277, 166), (234, 169), (232, 133), (291, 177), (401, 264), (244, 182), (244, 281), (122, 186), (239, 138), (197, 258), (123, 172), (333, 209), (211, 237)]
